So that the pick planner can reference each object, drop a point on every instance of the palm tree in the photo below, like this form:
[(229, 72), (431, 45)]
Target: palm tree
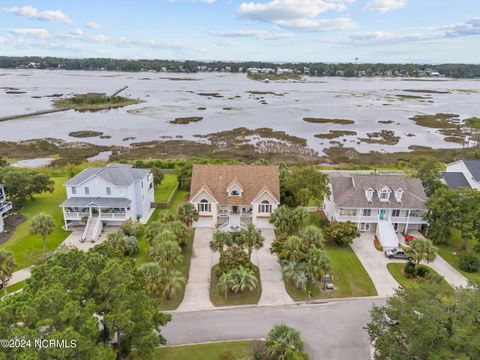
[(284, 342), (43, 225), (225, 283), (7, 265), (296, 273), (318, 264), (220, 240), (167, 253), (286, 220), (251, 237), (174, 281), (295, 249), (313, 236), (166, 217), (243, 279), (187, 214), (422, 249), (180, 230), (154, 275)]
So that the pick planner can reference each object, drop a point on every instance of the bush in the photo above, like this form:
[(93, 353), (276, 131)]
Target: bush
[(423, 271), (226, 355), (469, 261), (377, 244), (342, 233), (476, 247), (232, 258), (409, 270), (132, 228)]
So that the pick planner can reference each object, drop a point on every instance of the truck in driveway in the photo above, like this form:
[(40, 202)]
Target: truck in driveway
[(397, 253)]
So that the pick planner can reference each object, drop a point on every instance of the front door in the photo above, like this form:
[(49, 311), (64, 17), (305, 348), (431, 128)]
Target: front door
[(382, 214), (235, 209)]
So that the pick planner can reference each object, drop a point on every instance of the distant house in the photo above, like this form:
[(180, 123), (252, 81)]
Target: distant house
[(232, 196), (382, 204), (100, 196), (5, 206), (463, 174)]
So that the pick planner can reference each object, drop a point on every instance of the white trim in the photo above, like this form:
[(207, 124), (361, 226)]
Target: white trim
[(269, 193), (208, 193)]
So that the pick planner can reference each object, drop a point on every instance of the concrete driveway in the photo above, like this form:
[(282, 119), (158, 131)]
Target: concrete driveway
[(375, 263), (197, 291), (331, 331), (273, 287)]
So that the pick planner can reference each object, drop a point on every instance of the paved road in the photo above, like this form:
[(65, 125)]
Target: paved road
[(273, 287), (20, 275), (451, 275), (375, 263), (197, 291), (331, 331)]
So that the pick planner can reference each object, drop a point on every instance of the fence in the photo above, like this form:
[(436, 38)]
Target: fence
[(164, 205)]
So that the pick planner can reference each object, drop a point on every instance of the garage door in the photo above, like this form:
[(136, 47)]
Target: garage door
[(204, 222), (264, 224)]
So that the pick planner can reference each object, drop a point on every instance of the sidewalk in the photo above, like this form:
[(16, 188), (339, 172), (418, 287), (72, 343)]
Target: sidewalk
[(20, 275)]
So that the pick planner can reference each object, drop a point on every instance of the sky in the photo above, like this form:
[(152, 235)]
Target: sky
[(394, 31)]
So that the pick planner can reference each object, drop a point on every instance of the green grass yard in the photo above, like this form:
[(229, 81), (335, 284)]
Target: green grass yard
[(349, 277), (14, 287), (22, 243), (165, 189), (211, 351), (245, 298), (396, 269), (450, 253)]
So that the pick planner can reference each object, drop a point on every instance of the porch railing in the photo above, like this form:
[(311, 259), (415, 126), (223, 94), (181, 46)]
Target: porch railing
[(114, 216), (69, 215), (5, 207)]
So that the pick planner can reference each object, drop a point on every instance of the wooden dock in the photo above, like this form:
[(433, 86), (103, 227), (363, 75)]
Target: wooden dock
[(35, 113)]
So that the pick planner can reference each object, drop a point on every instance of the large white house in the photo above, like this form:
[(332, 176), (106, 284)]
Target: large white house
[(233, 196), (383, 204), (5, 206), (463, 174), (100, 196)]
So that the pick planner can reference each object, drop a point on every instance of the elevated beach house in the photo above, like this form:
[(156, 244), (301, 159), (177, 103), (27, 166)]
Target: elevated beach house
[(463, 174), (232, 196), (383, 204), (101, 196), (5, 206)]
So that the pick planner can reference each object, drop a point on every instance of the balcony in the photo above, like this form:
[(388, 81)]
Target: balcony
[(6, 206), (114, 216), (75, 215)]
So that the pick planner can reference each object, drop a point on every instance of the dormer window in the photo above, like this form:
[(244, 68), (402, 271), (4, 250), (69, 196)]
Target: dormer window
[(384, 194), (398, 195), (234, 193), (369, 194)]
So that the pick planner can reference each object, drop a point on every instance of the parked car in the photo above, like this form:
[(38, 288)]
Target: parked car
[(397, 253)]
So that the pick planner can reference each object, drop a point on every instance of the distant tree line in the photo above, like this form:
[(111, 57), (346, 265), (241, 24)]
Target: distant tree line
[(190, 66)]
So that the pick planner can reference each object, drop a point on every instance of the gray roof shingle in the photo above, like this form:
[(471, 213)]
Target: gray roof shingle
[(116, 174), (474, 167), (345, 194), (455, 180)]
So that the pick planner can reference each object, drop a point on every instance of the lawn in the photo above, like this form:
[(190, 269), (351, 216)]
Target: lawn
[(14, 287), (407, 283), (239, 349), (165, 189), (449, 253), (22, 243), (245, 298), (349, 277)]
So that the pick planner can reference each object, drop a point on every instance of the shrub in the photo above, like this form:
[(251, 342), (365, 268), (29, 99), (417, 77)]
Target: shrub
[(342, 233), (409, 269), (132, 228), (476, 247), (226, 355), (232, 258), (377, 244), (469, 261), (423, 271)]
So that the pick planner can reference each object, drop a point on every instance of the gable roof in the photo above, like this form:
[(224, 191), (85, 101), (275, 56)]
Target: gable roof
[(116, 174), (253, 178), (474, 167), (345, 194), (455, 180)]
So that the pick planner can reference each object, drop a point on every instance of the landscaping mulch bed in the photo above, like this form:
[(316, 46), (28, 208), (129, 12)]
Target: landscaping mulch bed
[(11, 223)]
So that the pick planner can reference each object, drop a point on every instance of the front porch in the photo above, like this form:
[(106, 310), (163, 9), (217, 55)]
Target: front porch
[(234, 217)]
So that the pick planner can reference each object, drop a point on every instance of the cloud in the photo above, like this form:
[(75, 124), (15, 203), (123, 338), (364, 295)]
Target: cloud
[(225, 42), (384, 5), (77, 33), (45, 15), (467, 28), (37, 33), (298, 14), (95, 25), (251, 33)]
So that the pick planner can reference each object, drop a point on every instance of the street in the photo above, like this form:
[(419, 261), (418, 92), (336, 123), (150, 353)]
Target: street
[(331, 330)]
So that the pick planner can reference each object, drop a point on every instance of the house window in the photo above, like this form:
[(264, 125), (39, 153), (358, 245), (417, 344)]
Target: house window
[(109, 191), (142, 184), (395, 213), (151, 185), (74, 190), (367, 212), (265, 207), (87, 190), (204, 206), (347, 212), (234, 193), (415, 213), (384, 195)]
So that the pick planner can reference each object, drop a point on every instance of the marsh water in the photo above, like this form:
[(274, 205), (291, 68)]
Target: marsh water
[(230, 101)]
